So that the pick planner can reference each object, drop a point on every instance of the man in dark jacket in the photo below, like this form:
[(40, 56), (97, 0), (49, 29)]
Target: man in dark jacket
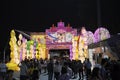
[(50, 69)]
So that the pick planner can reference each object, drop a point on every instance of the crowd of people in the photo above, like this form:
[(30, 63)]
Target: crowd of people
[(5, 74), (64, 69)]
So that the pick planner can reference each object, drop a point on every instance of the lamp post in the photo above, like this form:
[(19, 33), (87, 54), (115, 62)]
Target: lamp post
[(4, 51), (4, 56)]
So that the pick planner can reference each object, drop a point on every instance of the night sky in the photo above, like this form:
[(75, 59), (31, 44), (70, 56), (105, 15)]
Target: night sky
[(38, 15)]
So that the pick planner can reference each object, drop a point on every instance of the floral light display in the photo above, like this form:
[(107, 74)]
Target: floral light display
[(19, 42), (14, 55), (39, 46), (14, 48), (91, 38), (59, 37), (82, 45), (101, 34), (74, 48)]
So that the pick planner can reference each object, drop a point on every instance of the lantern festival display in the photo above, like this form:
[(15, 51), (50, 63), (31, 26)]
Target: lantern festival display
[(101, 34), (82, 45), (34, 48), (39, 45), (14, 55), (60, 37), (75, 48)]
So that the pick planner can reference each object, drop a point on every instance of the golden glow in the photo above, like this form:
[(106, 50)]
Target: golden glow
[(13, 64), (74, 48), (36, 47), (41, 47)]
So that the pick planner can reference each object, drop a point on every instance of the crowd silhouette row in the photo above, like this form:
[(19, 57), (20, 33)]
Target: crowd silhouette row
[(64, 69)]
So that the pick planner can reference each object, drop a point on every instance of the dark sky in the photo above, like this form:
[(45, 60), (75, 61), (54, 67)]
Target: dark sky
[(38, 15)]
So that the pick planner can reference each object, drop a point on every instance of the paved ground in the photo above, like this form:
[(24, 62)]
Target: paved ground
[(16, 75), (43, 76)]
